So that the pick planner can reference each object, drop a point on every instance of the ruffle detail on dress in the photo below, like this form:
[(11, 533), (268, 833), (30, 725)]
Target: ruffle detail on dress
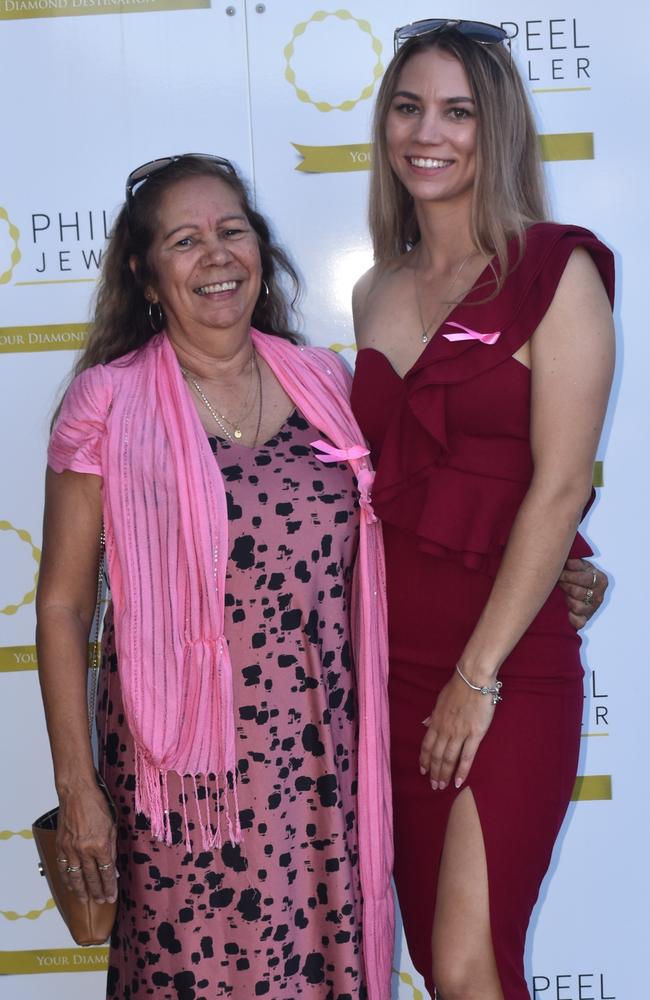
[(462, 504), (458, 515)]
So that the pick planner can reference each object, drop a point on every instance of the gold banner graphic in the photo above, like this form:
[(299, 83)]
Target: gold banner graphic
[(17, 658), (592, 788), (358, 155), (24, 963), (14, 658), (567, 146), (334, 159), (13, 10), (599, 474), (62, 337)]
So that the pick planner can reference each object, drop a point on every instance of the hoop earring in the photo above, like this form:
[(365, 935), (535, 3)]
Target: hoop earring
[(157, 321), (264, 288)]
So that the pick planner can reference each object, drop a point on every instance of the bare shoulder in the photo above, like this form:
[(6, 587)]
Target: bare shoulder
[(374, 293), (579, 316), (581, 285), (362, 291)]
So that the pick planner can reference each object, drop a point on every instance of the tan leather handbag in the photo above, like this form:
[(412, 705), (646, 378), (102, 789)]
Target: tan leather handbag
[(89, 922)]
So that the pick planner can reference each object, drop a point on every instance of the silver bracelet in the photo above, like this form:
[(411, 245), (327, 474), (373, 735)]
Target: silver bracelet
[(493, 689)]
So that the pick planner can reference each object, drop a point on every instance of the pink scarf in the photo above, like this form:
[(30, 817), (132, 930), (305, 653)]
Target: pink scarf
[(167, 546)]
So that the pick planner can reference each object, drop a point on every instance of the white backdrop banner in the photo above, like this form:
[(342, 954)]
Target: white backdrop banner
[(285, 89)]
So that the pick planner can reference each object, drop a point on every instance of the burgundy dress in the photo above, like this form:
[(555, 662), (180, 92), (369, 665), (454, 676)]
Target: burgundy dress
[(450, 442)]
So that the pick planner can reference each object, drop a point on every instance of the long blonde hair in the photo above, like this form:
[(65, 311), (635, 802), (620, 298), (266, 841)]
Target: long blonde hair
[(509, 193)]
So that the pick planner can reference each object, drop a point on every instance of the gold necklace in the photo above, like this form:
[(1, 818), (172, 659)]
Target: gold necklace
[(438, 315), (222, 421)]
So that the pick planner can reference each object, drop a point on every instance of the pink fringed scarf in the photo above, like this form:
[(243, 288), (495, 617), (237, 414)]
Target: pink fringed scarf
[(167, 545), (319, 385)]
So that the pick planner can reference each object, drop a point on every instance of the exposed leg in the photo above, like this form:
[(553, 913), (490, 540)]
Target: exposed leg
[(464, 966)]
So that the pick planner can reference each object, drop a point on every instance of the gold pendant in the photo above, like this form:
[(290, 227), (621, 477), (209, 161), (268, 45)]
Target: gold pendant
[(237, 433)]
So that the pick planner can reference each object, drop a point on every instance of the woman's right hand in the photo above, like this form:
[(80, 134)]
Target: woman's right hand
[(86, 843), (459, 721)]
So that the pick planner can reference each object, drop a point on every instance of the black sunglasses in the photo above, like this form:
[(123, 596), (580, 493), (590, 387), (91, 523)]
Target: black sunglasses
[(142, 174), (476, 31)]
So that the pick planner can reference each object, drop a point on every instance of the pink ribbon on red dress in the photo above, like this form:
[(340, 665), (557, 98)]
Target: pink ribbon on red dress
[(468, 334)]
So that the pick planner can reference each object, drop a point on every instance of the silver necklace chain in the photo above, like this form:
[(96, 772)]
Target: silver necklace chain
[(439, 313), (219, 418)]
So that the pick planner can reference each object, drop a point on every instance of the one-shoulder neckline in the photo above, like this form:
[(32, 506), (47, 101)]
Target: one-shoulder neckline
[(436, 335), (402, 378)]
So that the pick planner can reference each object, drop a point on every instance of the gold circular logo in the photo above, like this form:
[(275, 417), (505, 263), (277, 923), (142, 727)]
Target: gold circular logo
[(14, 235), (11, 609), (405, 977), (29, 914), (290, 75)]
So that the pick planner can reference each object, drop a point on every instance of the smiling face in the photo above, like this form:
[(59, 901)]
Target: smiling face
[(431, 129), (205, 258)]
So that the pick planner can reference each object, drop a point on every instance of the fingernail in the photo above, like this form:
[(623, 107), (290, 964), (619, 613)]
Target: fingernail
[(442, 786), (434, 785), (425, 722), (458, 782), (423, 770)]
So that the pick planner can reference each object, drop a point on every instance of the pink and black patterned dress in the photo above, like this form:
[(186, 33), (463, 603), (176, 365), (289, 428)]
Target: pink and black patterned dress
[(278, 915)]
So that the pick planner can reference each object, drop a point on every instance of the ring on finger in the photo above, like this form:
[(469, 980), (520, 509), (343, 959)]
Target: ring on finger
[(61, 861), (589, 596), (73, 868), (104, 868)]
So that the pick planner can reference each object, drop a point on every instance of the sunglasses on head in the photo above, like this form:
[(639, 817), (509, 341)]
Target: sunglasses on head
[(142, 173), (476, 31)]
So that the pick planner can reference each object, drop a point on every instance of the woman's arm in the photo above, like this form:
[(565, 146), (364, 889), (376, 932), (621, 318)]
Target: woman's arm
[(572, 355), (65, 603)]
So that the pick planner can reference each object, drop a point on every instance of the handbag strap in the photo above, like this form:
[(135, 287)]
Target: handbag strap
[(96, 647)]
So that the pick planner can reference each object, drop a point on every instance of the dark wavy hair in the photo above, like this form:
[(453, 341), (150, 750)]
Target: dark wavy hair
[(121, 323)]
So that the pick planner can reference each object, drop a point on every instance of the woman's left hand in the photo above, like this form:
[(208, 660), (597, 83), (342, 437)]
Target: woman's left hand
[(455, 728), (584, 586)]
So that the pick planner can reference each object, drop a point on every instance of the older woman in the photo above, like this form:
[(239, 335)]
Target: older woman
[(486, 353), (253, 838)]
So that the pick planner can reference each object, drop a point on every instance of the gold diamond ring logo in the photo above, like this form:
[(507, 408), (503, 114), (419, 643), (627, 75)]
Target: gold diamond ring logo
[(24, 536), (405, 977), (289, 52), (10, 236), (34, 914)]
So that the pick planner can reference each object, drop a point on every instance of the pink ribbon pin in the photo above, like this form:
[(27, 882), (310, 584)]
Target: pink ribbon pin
[(331, 454), (467, 334), (328, 454)]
